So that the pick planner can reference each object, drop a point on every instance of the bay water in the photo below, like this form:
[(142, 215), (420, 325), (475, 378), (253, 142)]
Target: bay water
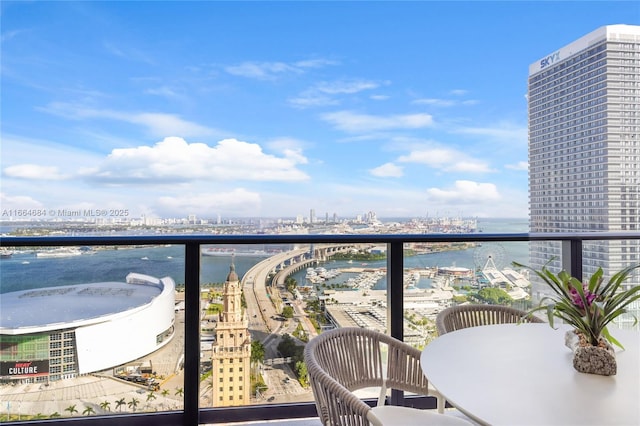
[(25, 271)]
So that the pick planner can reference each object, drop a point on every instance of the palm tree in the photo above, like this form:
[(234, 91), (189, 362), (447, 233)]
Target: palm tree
[(179, 391), (71, 409), (88, 410), (133, 403), (105, 405), (120, 403), (54, 415), (165, 392), (151, 396)]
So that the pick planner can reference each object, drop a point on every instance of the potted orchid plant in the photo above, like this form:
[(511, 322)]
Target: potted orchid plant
[(588, 307)]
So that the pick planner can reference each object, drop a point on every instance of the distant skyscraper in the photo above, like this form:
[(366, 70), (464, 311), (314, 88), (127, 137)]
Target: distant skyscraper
[(231, 355), (584, 152), (312, 216)]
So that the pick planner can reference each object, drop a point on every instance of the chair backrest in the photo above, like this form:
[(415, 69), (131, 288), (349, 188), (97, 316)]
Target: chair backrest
[(343, 360), (463, 316)]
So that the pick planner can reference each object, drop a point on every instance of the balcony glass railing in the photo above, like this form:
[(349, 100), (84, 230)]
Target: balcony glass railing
[(209, 329)]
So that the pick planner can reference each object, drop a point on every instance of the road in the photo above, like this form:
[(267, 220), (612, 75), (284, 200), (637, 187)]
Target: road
[(264, 304)]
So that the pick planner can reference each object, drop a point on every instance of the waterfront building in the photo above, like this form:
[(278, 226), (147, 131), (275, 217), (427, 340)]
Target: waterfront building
[(584, 148), (231, 351)]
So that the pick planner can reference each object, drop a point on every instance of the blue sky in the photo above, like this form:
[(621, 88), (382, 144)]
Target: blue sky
[(272, 109)]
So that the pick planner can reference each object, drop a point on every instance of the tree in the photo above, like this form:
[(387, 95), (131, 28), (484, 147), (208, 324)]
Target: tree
[(133, 404), (257, 352), (151, 396), (313, 305), (288, 348), (88, 410), (494, 296), (54, 415), (290, 284), (179, 391), (301, 372), (71, 409), (287, 312), (105, 405), (120, 403), (164, 392), (300, 333)]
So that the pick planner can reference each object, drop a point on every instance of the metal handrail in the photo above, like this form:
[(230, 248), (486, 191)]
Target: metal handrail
[(192, 414)]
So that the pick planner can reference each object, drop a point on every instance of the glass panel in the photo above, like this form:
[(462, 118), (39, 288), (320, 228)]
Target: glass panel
[(440, 275), (253, 325), (91, 331)]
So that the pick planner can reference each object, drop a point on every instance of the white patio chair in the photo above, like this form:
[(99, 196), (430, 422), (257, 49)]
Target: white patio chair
[(462, 316), (345, 360)]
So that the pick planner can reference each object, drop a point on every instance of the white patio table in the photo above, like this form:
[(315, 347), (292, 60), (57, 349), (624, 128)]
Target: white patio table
[(522, 374)]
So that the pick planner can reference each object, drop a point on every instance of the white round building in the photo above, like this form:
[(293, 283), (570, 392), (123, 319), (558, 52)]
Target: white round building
[(60, 332)]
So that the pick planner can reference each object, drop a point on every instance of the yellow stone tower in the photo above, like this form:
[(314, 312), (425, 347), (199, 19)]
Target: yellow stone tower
[(231, 357)]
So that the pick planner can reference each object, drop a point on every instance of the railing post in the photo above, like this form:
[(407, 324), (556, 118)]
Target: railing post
[(191, 333), (572, 257), (395, 300)]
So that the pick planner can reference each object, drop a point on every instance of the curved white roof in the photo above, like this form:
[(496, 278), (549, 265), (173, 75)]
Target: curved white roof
[(74, 305)]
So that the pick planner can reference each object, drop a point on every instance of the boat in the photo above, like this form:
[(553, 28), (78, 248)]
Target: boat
[(144, 258), (212, 251), (59, 252), (5, 254)]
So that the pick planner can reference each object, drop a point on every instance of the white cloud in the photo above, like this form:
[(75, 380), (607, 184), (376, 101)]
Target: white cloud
[(387, 170), (322, 94), (354, 123), (158, 124), (502, 131), (18, 202), (444, 102), (261, 70), (459, 92), (345, 86), (315, 63), (161, 125), (209, 204), (128, 52), (164, 91), (470, 166), (435, 102), (272, 70), (291, 144), (465, 191), (175, 160), (34, 172), (307, 99), (8, 35), (446, 159), (520, 165)]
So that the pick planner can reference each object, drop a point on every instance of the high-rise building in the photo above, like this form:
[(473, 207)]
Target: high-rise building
[(584, 152), (231, 354)]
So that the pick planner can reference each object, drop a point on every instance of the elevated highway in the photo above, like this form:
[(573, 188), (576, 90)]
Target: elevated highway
[(264, 303)]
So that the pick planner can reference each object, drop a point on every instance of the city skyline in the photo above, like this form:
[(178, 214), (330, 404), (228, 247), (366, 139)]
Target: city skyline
[(211, 108)]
